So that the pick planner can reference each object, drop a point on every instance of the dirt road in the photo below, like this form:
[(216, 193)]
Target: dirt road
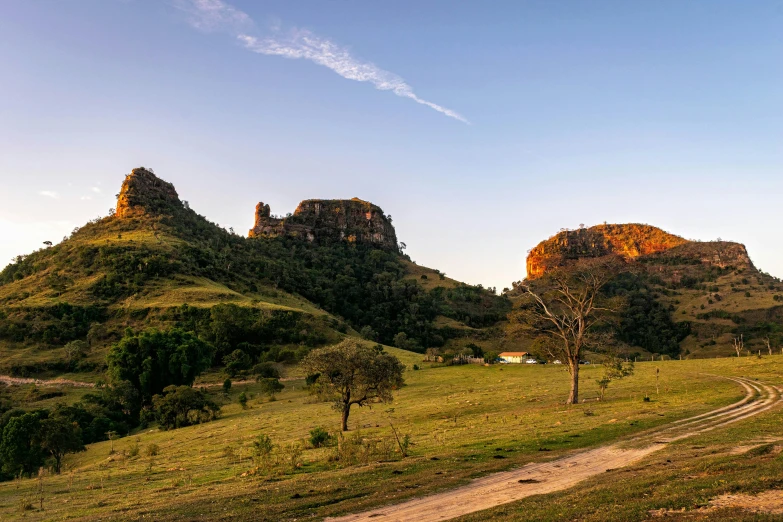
[(18, 381), (557, 475)]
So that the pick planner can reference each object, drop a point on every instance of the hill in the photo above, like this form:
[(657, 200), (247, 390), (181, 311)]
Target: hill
[(686, 298), (331, 268)]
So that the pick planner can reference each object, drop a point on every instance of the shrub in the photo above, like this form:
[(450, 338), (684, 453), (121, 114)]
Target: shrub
[(262, 449), (243, 400), (151, 449), (319, 437), (266, 370), (227, 386)]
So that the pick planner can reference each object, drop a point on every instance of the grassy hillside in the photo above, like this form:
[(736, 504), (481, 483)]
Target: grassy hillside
[(463, 422), (137, 268)]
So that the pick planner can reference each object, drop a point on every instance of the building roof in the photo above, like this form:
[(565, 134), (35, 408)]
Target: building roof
[(513, 354)]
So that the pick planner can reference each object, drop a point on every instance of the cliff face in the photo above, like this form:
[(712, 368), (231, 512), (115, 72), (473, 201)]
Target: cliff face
[(143, 192), (658, 250), (325, 220), (627, 241)]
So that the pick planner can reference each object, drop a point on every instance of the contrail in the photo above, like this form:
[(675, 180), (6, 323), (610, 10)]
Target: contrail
[(214, 15)]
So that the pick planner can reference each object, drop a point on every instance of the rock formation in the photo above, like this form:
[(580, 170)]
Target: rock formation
[(632, 241), (143, 192), (326, 220)]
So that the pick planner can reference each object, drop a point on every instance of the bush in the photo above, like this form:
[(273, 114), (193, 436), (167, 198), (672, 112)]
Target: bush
[(227, 386), (319, 437), (270, 387), (183, 406), (266, 370), (236, 362), (151, 450), (242, 400)]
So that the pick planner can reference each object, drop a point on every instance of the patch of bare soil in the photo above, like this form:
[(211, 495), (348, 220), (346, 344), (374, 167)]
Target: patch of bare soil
[(770, 502)]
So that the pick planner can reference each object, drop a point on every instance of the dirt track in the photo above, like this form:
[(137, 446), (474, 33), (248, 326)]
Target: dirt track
[(539, 478), (18, 381)]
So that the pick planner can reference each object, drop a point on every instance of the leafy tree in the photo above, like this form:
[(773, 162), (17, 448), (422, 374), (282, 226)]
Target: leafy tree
[(180, 406), (266, 370), (236, 362), (351, 373), (614, 369), (270, 386), (59, 436), (227, 386), (74, 350), (153, 359), (19, 448)]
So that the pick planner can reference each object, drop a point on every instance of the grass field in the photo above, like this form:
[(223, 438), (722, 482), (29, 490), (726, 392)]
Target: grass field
[(463, 421)]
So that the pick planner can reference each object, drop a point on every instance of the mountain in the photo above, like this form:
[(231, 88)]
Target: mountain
[(686, 298), (330, 269)]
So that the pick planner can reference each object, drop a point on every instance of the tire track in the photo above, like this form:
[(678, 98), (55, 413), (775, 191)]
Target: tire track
[(563, 473)]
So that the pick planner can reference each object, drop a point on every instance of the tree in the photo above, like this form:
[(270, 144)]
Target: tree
[(351, 373), (614, 369), (236, 362), (567, 304), (58, 437), (739, 344), (269, 386), (153, 359), (19, 448), (182, 406), (74, 350)]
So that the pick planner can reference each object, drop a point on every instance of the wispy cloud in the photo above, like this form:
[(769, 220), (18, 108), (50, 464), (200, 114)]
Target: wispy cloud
[(50, 194), (212, 15), (305, 45)]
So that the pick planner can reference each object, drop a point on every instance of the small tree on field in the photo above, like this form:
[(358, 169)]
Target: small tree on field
[(614, 369), (739, 344), (58, 437), (74, 350), (351, 373)]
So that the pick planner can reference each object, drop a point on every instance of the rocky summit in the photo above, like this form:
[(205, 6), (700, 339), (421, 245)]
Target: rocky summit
[(143, 193), (659, 250), (325, 220)]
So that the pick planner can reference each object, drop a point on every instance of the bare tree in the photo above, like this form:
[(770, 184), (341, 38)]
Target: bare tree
[(769, 344), (567, 305), (739, 345)]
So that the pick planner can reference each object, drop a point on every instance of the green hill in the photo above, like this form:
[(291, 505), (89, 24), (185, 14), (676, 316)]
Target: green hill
[(156, 262), (685, 298)]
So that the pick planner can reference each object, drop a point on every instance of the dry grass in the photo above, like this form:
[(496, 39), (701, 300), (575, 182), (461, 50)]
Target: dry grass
[(461, 419)]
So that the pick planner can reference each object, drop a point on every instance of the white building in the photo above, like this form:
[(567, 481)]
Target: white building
[(514, 357)]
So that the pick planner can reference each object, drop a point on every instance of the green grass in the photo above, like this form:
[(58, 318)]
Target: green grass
[(459, 418)]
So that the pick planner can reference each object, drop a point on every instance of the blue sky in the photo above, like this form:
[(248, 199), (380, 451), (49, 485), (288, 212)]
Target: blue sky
[(659, 112)]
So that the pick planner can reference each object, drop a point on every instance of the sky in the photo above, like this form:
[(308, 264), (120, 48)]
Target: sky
[(481, 127)]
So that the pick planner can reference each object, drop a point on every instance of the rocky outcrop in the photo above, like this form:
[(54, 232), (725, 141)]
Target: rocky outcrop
[(327, 220), (659, 251), (720, 254), (143, 193), (628, 241)]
